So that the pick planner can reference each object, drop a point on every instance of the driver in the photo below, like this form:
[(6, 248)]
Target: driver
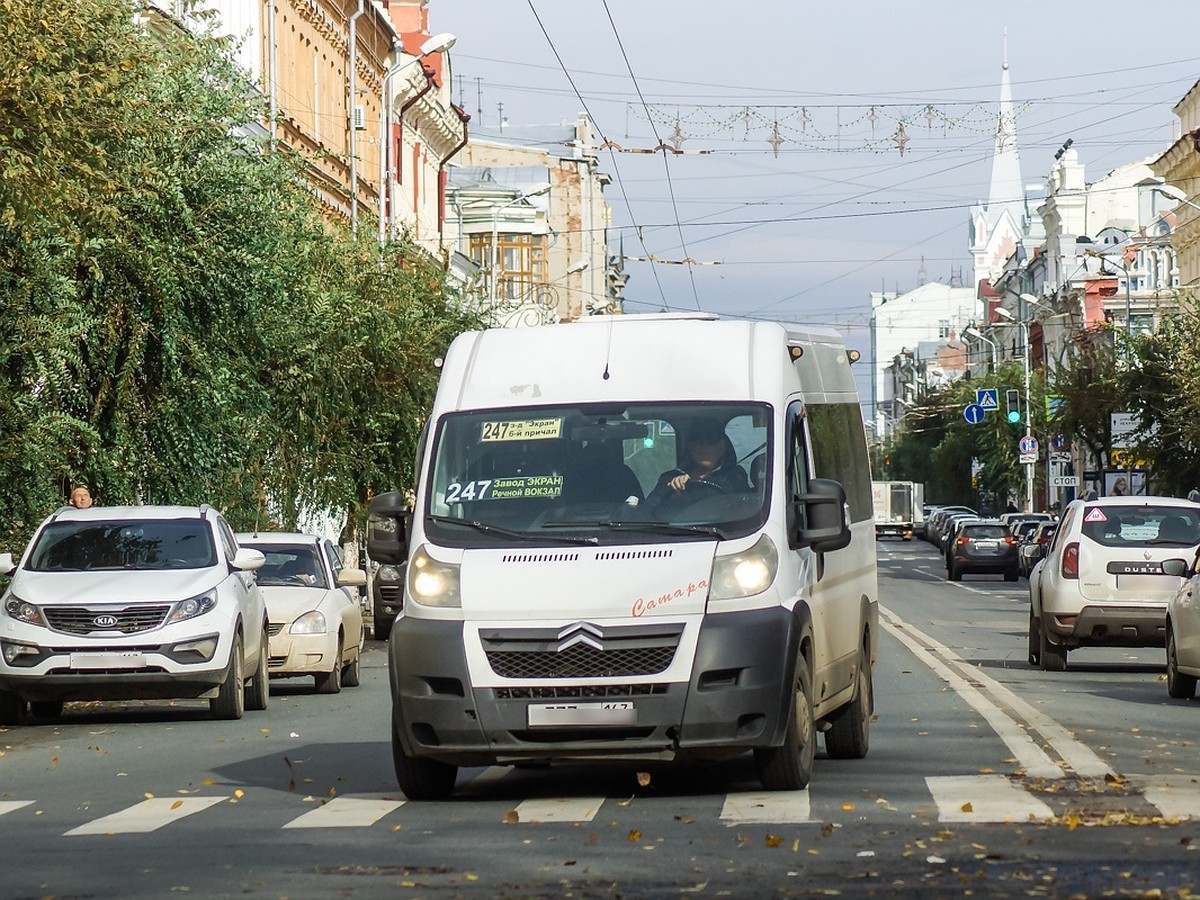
[(708, 457)]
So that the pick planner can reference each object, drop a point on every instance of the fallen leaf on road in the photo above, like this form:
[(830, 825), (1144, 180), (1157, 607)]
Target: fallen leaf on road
[(177, 804), (512, 817), (643, 778), (773, 840), (634, 835), (967, 807)]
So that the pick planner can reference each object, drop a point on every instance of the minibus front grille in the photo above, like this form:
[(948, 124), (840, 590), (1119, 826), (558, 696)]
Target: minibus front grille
[(582, 650), (581, 662), (589, 691)]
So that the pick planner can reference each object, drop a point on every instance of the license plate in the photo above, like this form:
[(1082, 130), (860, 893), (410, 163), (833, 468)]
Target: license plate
[(124, 659), (986, 545), (1134, 568), (616, 712)]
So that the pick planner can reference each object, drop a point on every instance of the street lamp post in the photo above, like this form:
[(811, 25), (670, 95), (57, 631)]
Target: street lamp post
[(1005, 314), (439, 43), (972, 331)]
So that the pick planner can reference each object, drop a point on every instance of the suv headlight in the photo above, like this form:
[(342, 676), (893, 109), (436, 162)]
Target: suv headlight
[(744, 574), (433, 583), (24, 611), (312, 622), (192, 607)]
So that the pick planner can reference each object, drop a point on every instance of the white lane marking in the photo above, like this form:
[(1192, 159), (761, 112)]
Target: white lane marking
[(1029, 755), (1082, 760), (559, 809), (149, 815), (1176, 796), (7, 806), (765, 807), (346, 812), (984, 798)]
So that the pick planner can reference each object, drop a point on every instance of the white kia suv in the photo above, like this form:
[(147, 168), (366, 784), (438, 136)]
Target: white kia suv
[(128, 603)]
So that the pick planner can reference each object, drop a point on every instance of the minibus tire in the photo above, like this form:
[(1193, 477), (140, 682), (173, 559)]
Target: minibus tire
[(789, 767), (849, 734), (419, 778)]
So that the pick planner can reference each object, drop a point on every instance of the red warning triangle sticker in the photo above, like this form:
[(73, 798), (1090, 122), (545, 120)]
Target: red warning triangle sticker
[(1095, 514)]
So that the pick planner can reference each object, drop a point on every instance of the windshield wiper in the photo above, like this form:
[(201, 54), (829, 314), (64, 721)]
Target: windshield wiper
[(508, 532), (661, 527)]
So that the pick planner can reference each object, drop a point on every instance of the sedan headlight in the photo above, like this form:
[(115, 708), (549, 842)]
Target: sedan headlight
[(193, 606), (23, 611), (433, 583), (745, 574), (312, 622)]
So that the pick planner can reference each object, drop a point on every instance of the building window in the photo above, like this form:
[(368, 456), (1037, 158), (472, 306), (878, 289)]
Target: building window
[(943, 329), (522, 263)]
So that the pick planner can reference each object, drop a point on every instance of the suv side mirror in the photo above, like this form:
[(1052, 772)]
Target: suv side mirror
[(823, 512), (387, 528)]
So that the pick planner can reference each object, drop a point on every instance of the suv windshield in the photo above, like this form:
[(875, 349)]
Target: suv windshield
[(608, 474), (1142, 526), (293, 565), (124, 544)]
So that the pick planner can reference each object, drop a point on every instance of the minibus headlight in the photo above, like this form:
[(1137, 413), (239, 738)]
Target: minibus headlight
[(745, 574), (433, 583)]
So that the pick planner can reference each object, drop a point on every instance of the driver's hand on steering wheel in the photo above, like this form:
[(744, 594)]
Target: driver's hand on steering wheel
[(679, 482)]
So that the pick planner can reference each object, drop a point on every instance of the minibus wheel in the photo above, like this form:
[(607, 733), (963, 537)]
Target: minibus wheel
[(849, 733), (420, 778), (789, 767)]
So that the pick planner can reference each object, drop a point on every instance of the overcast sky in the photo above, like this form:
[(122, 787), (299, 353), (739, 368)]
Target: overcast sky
[(807, 234)]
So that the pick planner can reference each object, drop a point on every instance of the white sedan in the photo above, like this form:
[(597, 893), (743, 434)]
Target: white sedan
[(1183, 630), (316, 620)]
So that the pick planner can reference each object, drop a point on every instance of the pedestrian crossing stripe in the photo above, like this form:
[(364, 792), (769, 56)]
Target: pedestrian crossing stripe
[(149, 815), (959, 799), (346, 812)]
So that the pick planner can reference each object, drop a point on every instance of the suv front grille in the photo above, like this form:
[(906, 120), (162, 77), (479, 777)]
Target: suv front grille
[(128, 619)]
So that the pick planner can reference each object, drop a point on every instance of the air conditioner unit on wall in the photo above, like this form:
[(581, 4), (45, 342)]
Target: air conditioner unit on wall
[(360, 118)]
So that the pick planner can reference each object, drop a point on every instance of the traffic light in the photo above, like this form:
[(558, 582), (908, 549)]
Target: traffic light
[(1012, 399)]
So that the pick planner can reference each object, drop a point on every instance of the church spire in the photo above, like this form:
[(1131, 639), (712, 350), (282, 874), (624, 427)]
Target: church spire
[(1007, 189)]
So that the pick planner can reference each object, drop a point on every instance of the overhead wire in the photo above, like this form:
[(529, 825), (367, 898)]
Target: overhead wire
[(613, 158)]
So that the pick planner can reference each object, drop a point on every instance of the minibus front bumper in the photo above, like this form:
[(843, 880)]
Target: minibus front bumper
[(736, 699)]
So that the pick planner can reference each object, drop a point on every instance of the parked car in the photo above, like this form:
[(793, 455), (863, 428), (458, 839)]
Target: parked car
[(951, 533), (983, 546), (1183, 630), (936, 523), (1103, 582), (387, 599), (316, 618), (946, 525), (1033, 546), (132, 602)]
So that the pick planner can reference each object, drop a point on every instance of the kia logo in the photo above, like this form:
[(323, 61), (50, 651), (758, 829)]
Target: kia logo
[(105, 621)]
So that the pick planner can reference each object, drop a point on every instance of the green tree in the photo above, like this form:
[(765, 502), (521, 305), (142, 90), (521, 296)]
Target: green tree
[(178, 320)]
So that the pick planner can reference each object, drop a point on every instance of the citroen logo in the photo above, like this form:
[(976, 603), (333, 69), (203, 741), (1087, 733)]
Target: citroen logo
[(105, 621), (580, 633)]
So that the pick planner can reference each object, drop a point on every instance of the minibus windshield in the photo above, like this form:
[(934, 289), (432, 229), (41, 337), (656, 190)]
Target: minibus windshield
[(611, 474)]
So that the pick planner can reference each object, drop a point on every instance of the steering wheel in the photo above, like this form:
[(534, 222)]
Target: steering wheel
[(706, 485)]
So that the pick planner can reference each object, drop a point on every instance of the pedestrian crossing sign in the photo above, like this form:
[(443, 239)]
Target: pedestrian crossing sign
[(988, 398)]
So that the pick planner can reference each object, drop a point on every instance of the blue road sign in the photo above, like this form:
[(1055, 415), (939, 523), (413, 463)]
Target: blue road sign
[(987, 398), (973, 413), (1028, 444), (1059, 441)]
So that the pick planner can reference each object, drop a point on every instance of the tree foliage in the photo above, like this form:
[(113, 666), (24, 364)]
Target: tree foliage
[(179, 323)]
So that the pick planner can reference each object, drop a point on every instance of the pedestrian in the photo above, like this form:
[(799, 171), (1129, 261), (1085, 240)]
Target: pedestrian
[(81, 497)]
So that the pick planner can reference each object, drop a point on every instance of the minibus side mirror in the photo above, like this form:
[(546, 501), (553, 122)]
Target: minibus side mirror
[(388, 518), (823, 510)]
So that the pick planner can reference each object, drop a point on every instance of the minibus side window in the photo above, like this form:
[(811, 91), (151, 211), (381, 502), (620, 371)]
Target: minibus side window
[(797, 465)]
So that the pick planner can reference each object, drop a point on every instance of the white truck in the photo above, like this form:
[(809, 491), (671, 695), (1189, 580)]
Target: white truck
[(899, 509), (636, 537)]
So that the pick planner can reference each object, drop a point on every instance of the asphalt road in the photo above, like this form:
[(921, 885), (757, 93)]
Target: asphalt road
[(985, 775)]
